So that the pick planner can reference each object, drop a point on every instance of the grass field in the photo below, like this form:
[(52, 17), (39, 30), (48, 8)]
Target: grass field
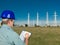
[(42, 35)]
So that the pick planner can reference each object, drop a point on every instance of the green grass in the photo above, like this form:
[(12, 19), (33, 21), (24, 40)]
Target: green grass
[(42, 35)]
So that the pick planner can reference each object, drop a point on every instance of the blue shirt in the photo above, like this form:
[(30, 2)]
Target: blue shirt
[(9, 37)]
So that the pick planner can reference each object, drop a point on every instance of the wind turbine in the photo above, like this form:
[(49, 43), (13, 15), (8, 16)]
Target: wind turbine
[(28, 19), (55, 19), (37, 19), (33, 23), (47, 21)]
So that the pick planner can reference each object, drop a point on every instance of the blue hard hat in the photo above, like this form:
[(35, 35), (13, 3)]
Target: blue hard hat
[(8, 14)]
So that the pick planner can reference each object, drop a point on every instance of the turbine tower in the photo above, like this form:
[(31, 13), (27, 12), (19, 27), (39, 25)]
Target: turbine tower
[(47, 22), (37, 19), (28, 19), (55, 20), (33, 23)]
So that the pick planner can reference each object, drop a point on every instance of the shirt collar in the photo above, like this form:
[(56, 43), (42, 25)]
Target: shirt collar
[(5, 26)]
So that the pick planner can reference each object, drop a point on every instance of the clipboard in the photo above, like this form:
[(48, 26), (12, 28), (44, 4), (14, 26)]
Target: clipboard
[(22, 35)]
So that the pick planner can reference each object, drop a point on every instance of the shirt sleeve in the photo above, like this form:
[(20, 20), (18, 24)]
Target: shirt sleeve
[(17, 40)]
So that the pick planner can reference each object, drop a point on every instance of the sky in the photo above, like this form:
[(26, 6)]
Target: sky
[(21, 8)]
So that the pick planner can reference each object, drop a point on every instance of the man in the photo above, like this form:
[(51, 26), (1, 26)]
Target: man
[(7, 35)]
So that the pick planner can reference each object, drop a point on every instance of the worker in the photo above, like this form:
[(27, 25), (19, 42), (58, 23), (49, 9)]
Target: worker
[(7, 35)]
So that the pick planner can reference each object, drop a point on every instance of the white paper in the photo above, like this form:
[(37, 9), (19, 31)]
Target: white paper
[(22, 35)]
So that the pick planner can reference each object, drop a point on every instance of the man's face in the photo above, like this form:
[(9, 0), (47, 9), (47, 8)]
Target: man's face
[(11, 22)]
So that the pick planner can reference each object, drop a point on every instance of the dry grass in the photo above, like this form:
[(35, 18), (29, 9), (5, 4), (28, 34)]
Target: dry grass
[(42, 35)]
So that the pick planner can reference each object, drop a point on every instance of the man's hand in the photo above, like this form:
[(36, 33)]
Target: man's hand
[(26, 38), (27, 35)]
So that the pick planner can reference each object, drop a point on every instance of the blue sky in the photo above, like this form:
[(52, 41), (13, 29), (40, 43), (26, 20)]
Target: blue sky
[(22, 7)]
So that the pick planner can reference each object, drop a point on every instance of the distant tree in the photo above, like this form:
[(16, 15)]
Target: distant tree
[(48, 26), (37, 25), (58, 26), (26, 25), (21, 26), (14, 25)]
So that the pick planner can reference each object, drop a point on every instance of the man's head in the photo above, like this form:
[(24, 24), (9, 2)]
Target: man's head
[(8, 18)]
